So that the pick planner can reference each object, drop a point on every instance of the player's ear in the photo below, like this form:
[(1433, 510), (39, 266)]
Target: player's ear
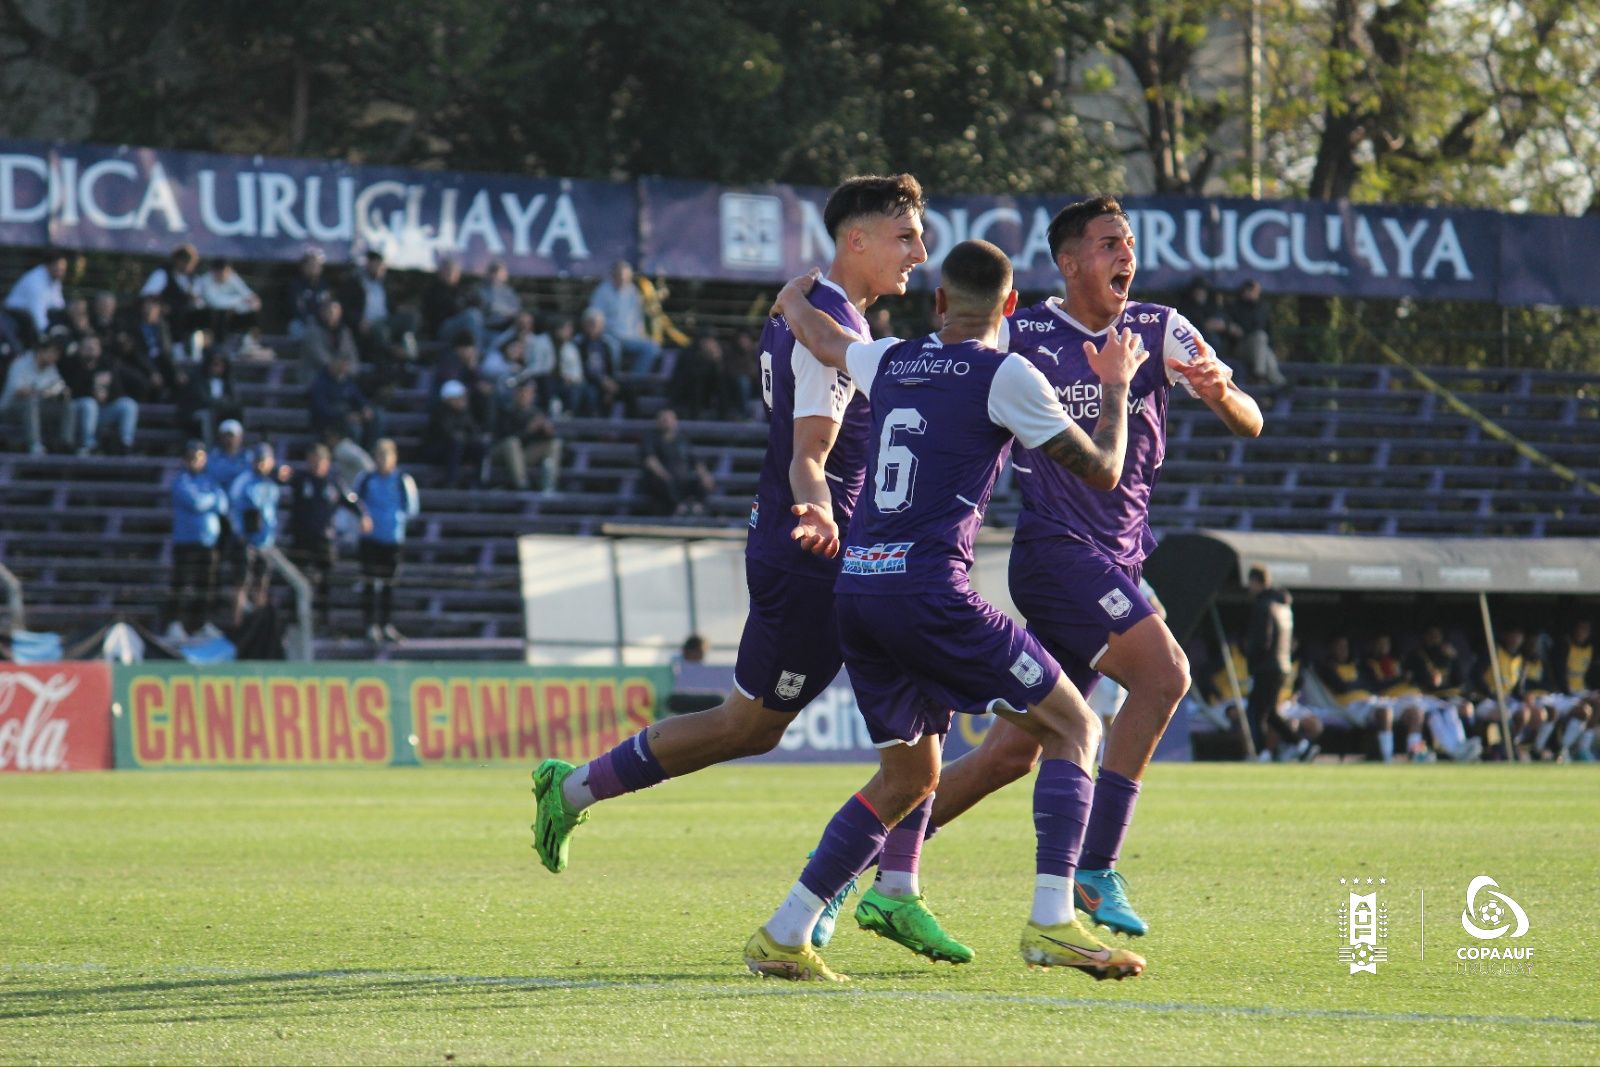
[(941, 302), (1066, 264), (1011, 303)]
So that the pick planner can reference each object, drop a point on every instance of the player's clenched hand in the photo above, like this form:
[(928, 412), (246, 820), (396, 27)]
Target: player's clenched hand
[(816, 531), (797, 289), (1207, 375), (1116, 361)]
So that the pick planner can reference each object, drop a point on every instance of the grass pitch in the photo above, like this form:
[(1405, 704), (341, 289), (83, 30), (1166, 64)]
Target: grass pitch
[(400, 916)]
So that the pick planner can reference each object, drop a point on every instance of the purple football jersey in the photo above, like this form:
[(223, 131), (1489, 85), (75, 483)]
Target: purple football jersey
[(795, 384), (1056, 502), (943, 420)]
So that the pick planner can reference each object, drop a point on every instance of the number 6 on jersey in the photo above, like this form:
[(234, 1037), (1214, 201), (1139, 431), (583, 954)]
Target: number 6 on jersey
[(897, 464)]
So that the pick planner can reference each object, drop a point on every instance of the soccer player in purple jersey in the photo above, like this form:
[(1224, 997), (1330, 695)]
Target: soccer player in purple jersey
[(918, 641), (816, 459), (1078, 550)]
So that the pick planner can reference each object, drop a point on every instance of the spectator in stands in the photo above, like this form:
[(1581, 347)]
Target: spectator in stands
[(1354, 702), (35, 399), (253, 509), (881, 323), (450, 305), (1250, 324), (501, 304), (149, 353), (661, 330), (76, 319), (673, 480), (456, 439), (338, 405), (535, 347), (389, 498), (1268, 650), (572, 390), (505, 361), (100, 389), (525, 437), (307, 289), (325, 339), (229, 458), (1202, 306), (316, 494), (104, 316), (743, 361), (229, 309), (385, 333), (621, 307), (601, 354), (206, 398), (198, 505), (700, 386), (174, 285), (462, 364), (34, 296)]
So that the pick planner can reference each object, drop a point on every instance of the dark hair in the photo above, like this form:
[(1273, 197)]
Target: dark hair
[(1072, 220), (976, 270), (374, 256), (871, 194), (1259, 573)]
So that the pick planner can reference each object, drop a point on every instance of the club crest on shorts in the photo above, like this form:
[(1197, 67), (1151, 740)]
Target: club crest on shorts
[(789, 685), (1027, 670), (1117, 604)]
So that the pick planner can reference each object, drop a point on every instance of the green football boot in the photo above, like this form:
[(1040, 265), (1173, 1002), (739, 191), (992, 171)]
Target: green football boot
[(907, 921), (553, 820)]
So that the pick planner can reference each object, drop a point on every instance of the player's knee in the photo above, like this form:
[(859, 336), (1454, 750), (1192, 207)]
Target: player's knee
[(1383, 718), (1013, 760), (1411, 718), (1167, 678), (754, 731)]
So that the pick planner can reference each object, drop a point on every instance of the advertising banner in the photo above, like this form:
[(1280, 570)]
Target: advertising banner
[(54, 717), (255, 207), (365, 714)]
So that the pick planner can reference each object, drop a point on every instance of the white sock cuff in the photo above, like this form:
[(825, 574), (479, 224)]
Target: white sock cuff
[(807, 897), (1052, 881)]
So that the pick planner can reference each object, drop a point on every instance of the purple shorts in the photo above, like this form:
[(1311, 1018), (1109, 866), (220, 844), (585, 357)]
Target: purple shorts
[(789, 651), (914, 659), (1074, 598)]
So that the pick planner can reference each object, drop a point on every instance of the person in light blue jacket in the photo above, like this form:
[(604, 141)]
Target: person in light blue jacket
[(253, 500), (198, 505), (389, 497)]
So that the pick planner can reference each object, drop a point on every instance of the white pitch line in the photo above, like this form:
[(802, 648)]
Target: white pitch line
[(753, 987)]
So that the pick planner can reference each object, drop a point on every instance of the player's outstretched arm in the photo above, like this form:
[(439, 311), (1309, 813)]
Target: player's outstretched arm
[(1212, 381), (1098, 458), (814, 329)]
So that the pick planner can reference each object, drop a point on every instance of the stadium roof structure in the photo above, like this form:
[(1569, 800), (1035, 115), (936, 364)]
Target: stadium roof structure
[(1188, 569)]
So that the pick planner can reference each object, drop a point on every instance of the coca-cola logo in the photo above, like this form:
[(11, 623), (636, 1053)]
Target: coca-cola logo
[(31, 738)]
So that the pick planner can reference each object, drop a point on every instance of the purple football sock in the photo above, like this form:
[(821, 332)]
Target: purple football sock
[(902, 849), (1114, 797), (1061, 797), (854, 835), (627, 768)]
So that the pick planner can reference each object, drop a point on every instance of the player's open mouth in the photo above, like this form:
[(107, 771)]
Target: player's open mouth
[(1120, 283)]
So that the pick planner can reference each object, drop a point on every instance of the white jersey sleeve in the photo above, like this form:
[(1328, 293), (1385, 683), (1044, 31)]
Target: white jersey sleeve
[(1181, 343), (1003, 340), (863, 359), (1022, 401), (818, 388)]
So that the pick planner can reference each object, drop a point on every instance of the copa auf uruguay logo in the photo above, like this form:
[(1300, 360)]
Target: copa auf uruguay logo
[(1364, 925), (1499, 913)]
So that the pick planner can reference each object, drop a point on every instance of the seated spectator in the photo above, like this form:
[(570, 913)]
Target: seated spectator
[(307, 289), (1355, 703), (456, 440), (743, 362), (148, 354), (506, 362), (31, 300), (206, 398), (105, 318), (389, 499), (315, 496), (450, 305), (521, 327), (36, 401), (674, 481), (229, 458), (385, 333), (253, 512), (338, 404), (658, 326), (462, 364), (325, 339), (621, 306), (229, 308), (572, 390), (174, 286), (881, 324), (76, 319), (501, 304), (601, 356), (101, 392), (1250, 325), (700, 386), (198, 505), (1202, 306), (526, 437)]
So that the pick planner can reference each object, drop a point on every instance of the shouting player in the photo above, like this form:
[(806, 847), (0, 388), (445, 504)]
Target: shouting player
[(1078, 550), (918, 641), (816, 457)]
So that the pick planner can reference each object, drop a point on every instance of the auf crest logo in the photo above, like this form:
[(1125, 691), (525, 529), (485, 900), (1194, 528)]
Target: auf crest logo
[(1499, 913)]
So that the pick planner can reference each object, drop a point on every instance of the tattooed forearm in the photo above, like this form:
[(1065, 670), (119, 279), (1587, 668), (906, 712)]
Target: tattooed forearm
[(1097, 460)]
